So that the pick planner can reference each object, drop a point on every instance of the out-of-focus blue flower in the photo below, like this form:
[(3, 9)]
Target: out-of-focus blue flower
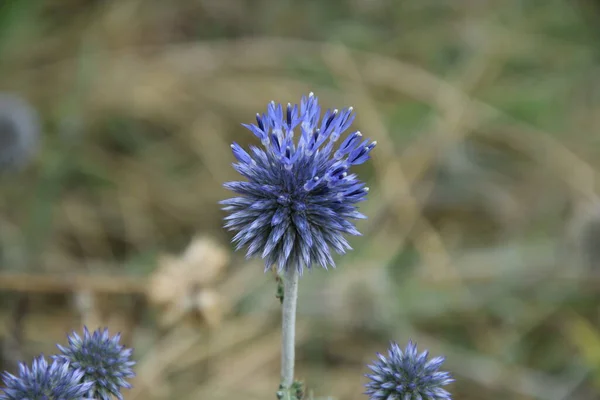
[(407, 375), (57, 381), (19, 132), (104, 362), (299, 196)]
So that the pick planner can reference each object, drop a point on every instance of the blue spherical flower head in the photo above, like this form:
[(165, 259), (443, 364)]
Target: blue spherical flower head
[(57, 381), (299, 197), (407, 375), (104, 362)]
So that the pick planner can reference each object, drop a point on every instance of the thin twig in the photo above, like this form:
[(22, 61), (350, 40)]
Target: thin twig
[(68, 283)]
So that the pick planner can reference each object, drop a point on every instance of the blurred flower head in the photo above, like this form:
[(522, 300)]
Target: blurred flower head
[(299, 196), (183, 286), (407, 375), (57, 381), (19, 132), (104, 362), (583, 235)]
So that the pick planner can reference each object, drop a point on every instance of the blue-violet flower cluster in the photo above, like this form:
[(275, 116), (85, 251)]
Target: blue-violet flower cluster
[(299, 196), (94, 366), (407, 375), (103, 361), (43, 381)]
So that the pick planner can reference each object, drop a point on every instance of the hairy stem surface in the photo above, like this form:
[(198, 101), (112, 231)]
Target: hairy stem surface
[(288, 331)]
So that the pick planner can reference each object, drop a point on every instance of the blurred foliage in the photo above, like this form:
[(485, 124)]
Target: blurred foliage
[(483, 186)]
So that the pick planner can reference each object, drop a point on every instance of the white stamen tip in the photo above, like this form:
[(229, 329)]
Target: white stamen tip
[(374, 143), (289, 104), (232, 146), (358, 134), (350, 108), (335, 111), (316, 178), (366, 189), (311, 94)]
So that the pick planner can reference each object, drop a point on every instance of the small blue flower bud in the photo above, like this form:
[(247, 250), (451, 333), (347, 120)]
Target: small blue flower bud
[(57, 381), (407, 375), (106, 363)]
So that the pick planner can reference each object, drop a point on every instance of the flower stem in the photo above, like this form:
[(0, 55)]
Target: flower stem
[(288, 328)]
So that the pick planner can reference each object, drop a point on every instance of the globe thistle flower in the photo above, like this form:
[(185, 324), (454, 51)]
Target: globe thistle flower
[(104, 362), (19, 132), (407, 375), (57, 381), (299, 196)]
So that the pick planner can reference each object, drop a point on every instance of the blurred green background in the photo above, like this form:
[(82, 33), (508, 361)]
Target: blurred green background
[(483, 235)]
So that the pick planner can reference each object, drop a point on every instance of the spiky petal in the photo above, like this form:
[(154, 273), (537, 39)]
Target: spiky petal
[(104, 361), (407, 375), (299, 196), (43, 381)]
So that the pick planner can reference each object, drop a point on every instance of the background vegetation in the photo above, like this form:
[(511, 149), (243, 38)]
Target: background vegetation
[(483, 231)]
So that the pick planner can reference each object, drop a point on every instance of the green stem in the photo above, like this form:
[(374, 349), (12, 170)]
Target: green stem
[(288, 327)]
